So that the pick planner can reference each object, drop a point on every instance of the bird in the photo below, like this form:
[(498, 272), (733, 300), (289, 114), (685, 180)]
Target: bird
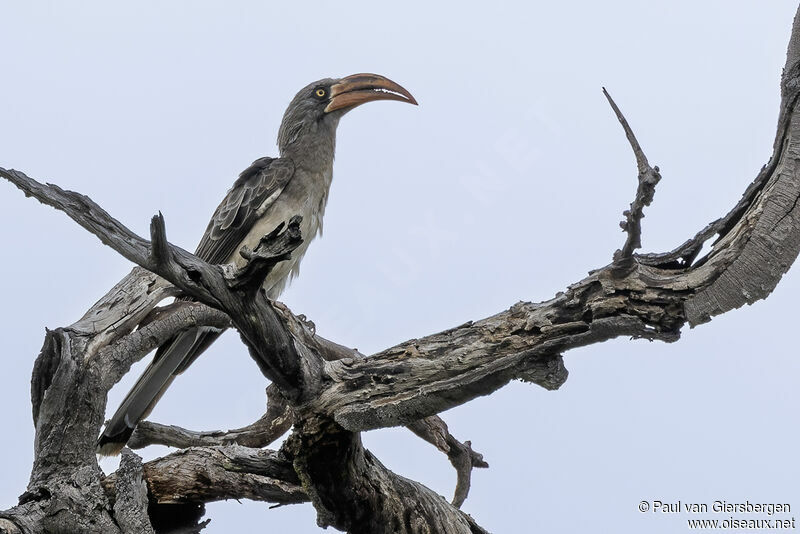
[(267, 193)]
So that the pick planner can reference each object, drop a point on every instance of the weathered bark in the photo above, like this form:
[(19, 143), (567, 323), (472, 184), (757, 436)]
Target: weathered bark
[(352, 491), (331, 393), (206, 474), (130, 509)]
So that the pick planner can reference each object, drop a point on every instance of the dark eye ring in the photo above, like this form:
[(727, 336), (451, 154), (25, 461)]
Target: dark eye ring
[(320, 92)]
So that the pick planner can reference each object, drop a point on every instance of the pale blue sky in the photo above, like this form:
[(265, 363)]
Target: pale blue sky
[(506, 184)]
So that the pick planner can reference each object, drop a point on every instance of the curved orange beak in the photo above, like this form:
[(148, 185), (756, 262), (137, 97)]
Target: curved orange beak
[(360, 88)]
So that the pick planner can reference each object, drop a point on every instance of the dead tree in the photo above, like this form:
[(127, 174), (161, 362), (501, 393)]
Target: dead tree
[(328, 393)]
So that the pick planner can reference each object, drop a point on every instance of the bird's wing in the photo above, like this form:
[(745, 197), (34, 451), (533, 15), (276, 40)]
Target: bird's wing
[(252, 193), (257, 187)]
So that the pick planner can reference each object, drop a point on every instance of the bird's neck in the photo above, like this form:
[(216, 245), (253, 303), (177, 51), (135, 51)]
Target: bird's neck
[(310, 144), (313, 153)]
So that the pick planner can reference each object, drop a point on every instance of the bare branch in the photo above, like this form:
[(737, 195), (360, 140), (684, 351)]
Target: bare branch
[(272, 425), (206, 474), (434, 430), (648, 178), (258, 323)]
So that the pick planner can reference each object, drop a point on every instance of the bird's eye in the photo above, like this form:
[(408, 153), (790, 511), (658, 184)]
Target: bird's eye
[(320, 92)]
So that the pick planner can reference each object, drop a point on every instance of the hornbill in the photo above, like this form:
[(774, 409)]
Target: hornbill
[(267, 193)]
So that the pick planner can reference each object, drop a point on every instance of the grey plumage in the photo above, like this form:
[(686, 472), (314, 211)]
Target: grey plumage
[(267, 193)]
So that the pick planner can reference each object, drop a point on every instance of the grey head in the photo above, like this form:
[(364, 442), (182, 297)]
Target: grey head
[(309, 124)]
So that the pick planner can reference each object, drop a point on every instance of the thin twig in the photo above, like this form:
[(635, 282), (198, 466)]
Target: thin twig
[(434, 430), (648, 178)]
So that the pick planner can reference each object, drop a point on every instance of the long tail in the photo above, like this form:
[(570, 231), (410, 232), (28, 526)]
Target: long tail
[(171, 359)]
